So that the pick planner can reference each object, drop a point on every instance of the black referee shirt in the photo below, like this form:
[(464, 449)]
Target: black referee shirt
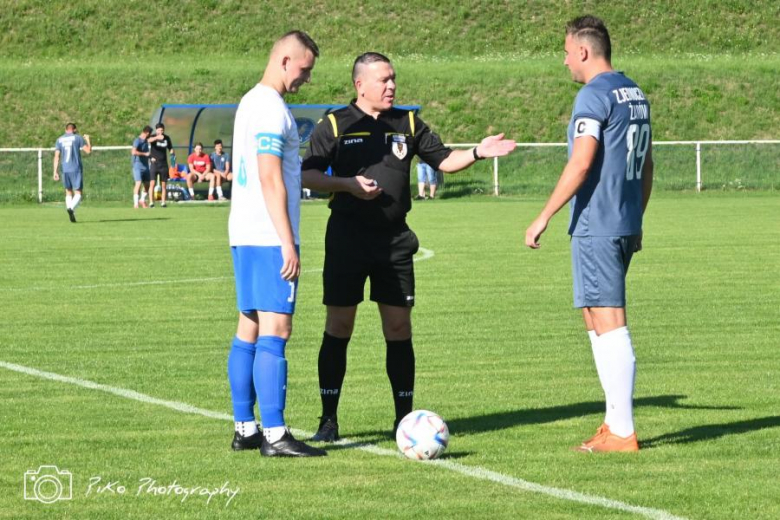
[(159, 149), (381, 149)]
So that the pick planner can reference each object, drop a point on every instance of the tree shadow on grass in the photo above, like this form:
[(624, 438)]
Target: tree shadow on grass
[(707, 432)]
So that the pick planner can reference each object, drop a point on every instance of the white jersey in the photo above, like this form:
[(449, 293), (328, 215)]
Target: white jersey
[(264, 125)]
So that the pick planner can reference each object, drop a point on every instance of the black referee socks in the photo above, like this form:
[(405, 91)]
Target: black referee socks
[(400, 370), (332, 365)]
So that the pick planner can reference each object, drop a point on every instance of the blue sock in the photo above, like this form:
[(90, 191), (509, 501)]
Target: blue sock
[(240, 363), (270, 375)]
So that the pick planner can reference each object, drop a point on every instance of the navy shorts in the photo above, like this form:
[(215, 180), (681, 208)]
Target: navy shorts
[(259, 286), (141, 174), (599, 267), (73, 180)]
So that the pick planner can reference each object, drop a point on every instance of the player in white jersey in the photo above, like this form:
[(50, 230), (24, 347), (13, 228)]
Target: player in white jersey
[(264, 239)]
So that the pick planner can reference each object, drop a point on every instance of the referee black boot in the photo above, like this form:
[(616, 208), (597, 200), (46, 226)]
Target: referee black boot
[(250, 442), (328, 430), (288, 446)]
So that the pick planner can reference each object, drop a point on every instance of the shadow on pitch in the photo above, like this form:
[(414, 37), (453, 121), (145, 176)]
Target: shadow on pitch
[(455, 455), (708, 432), (503, 420), (122, 220), (363, 443), (530, 416)]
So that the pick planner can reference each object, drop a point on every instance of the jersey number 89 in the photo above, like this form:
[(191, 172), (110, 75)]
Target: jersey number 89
[(638, 141)]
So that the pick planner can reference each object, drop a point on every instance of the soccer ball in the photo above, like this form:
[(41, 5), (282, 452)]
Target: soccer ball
[(422, 435)]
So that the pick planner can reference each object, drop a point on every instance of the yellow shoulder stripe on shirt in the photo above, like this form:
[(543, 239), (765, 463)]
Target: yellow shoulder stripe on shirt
[(411, 121), (334, 125)]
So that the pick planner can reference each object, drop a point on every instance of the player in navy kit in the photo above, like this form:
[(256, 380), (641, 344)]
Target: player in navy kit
[(68, 151), (608, 179)]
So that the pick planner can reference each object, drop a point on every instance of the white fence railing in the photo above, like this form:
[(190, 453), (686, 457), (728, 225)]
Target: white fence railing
[(697, 145), (696, 148), (40, 160)]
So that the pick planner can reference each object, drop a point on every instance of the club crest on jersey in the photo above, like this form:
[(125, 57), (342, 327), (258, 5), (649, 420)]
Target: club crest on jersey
[(399, 150)]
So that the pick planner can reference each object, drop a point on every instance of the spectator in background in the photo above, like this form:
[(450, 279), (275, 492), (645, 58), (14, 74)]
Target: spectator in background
[(220, 163), (70, 146), (141, 175), (425, 174), (200, 170), (160, 146)]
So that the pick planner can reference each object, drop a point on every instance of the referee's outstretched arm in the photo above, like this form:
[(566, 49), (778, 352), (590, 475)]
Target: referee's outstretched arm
[(491, 146)]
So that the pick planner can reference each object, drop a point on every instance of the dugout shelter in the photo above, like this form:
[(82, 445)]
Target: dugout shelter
[(188, 124)]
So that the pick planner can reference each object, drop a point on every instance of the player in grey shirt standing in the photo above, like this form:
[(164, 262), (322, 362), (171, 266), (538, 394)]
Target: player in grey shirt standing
[(68, 149), (608, 179)]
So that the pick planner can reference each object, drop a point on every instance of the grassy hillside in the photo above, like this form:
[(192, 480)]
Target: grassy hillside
[(723, 98), (36, 28), (709, 68)]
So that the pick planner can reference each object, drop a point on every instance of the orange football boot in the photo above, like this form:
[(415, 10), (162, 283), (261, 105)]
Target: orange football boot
[(605, 441)]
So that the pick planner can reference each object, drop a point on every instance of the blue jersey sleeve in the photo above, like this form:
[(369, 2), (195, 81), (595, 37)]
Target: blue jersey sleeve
[(590, 103)]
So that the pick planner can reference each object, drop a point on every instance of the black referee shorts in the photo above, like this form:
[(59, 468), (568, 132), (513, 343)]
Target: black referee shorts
[(354, 253), (158, 168)]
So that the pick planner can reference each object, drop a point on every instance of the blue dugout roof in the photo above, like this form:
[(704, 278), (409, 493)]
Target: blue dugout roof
[(188, 124)]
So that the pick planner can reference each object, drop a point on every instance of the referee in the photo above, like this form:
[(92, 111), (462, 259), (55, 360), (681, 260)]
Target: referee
[(369, 145)]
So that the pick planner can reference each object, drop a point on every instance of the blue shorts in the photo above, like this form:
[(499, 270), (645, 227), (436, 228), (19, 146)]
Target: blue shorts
[(73, 180), (599, 267), (259, 286), (141, 174), (426, 174)]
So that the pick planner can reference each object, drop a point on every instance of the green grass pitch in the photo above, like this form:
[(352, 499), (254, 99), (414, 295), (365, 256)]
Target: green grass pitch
[(143, 301)]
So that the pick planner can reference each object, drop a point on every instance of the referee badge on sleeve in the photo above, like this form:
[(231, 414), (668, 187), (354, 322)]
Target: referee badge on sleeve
[(399, 146)]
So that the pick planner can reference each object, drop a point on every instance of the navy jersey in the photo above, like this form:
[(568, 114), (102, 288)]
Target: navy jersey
[(615, 111), (69, 146), (141, 162), (218, 162)]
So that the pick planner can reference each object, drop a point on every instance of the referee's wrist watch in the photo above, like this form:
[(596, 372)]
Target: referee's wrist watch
[(475, 154)]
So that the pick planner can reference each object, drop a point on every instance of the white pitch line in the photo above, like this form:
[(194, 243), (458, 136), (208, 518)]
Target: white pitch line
[(151, 282), (469, 471), (423, 254)]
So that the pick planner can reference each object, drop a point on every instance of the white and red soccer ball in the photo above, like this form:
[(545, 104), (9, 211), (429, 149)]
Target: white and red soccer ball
[(422, 435)]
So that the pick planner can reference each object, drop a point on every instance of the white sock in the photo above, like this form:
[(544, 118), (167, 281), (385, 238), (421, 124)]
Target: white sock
[(76, 200), (192, 192), (219, 192), (68, 202), (135, 199), (246, 428), (598, 358), (143, 196), (211, 191), (615, 358), (274, 434)]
